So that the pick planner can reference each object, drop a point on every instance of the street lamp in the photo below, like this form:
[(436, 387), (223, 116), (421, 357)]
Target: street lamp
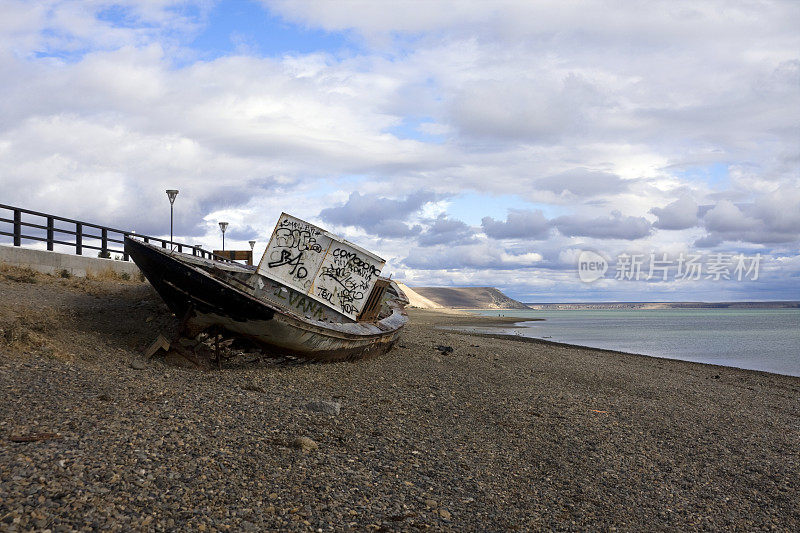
[(171, 194), (252, 249), (223, 226)]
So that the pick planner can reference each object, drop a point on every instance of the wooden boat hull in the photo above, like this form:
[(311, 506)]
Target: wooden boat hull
[(191, 291)]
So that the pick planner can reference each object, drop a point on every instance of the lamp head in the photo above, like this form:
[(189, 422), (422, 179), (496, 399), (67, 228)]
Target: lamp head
[(171, 194), (252, 245), (223, 226)]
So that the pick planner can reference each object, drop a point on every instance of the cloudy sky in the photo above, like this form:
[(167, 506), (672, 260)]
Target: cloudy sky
[(468, 143)]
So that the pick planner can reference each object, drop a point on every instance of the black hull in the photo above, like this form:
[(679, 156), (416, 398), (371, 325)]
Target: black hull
[(184, 288), (206, 301)]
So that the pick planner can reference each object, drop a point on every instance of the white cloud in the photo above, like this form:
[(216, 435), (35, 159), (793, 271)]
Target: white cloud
[(615, 226), (583, 182), (680, 214), (579, 110), (519, 224), (725, 216)]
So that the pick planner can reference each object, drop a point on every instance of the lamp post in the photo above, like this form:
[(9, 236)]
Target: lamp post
[(223, 226), (171, 194)]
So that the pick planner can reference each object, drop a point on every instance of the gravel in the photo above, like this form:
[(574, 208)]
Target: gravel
[(496, 435)]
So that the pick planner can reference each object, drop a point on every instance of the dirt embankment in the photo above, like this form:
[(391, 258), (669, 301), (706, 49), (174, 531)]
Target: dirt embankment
[(75, 318)]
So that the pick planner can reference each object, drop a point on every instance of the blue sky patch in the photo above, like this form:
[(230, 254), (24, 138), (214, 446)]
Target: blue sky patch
[(121, 17), (715, 175), (471, 207), (245, 26), (411, 128)]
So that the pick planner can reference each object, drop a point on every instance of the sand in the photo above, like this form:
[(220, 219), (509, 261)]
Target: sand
[(417, 300), (498, 434)]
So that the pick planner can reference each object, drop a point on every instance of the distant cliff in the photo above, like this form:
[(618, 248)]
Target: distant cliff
[(468, 297)]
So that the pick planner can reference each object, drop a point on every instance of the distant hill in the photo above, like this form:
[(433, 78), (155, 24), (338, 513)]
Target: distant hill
[(468, 297)]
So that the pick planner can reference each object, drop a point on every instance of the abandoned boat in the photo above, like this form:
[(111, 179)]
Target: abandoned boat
[(313, 294)]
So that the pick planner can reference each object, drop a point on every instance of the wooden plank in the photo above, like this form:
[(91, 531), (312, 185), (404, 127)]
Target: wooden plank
[(236, 255), (161, 343)]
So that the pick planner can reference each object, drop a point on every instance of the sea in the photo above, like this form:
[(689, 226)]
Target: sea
[(755, 339)]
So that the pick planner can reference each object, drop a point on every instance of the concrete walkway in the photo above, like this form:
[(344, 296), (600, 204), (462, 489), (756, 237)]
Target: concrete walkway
[(55, 262)]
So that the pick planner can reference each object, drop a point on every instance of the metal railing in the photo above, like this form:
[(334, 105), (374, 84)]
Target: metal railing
[(82, 232)]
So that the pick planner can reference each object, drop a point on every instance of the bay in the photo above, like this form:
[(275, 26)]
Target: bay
[(755, 339)]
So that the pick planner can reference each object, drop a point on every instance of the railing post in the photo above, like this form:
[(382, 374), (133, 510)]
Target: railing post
[(104, 243), (124, 251), (17, 227), (180, 249), (163, 243), (50, 233), (79, 238), (146, 239)]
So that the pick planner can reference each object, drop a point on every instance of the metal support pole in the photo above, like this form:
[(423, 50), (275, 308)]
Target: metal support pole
[(171, 195), (222, 227), (17, 227), (50, 233), (79, 238), (104, 243)]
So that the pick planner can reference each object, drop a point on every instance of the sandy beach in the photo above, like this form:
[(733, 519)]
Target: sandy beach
[(496, 435)]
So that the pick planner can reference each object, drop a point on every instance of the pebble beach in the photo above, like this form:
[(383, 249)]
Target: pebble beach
[(496, 434)]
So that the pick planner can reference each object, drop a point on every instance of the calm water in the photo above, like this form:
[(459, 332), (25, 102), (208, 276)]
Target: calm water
[(758, 339)]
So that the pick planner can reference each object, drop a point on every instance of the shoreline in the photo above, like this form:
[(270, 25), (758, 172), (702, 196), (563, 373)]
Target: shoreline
[(535, 340), (515, 323), (505, 322), (494, 435)]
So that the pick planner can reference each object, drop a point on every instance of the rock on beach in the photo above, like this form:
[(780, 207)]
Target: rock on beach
[(304, 443), (322, 406)]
